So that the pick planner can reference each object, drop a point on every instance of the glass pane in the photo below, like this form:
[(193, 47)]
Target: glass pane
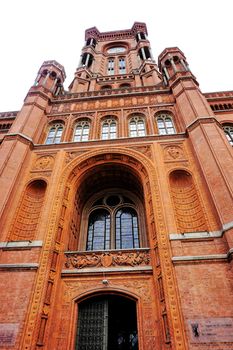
[(141, 132), (169, 124), (77, 138), (57, 140), (170, 131), (51, 133), (133, 133), (162, 132), (112, 135), (49, 141), (127, 236), (98, 230)]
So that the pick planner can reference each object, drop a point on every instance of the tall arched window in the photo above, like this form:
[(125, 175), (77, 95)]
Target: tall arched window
[(109, 129), (81, 132), (122, 66), (165, 124), (228, 129), (54, 134), (137, 127), (127, 235), (113, 224), (111, 63), (98, 236)]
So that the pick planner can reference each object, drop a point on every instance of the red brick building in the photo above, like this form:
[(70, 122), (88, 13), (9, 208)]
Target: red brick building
[(116, 205)]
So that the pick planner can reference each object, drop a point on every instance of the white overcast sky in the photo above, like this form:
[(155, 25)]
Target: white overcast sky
[(33, 31)]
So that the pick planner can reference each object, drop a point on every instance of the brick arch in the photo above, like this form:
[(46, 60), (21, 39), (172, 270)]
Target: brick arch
[(88, 294), (163, 273)]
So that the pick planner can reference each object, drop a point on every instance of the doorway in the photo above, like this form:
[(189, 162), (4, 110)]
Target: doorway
[(107, 323)]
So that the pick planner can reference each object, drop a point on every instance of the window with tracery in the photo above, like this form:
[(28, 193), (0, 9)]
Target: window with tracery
[(113, 224), (54, 134), (137, 127), (228, 129), (165, 124), (109, 129), (81, 132)]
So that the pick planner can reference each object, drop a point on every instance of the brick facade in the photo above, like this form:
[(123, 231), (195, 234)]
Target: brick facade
[(140, 134)]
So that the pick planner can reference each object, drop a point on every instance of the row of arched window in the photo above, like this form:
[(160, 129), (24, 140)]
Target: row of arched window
[(136, 128)]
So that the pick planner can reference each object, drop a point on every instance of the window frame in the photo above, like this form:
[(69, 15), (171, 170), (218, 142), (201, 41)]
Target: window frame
[(121, 65), (137, 119), (81, 123), (107, 122), (228, 131), (56, 127), (165, 127), (89, 208)]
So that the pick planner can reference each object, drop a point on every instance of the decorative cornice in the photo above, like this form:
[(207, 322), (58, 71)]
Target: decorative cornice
[(8, 115), (134, 91)]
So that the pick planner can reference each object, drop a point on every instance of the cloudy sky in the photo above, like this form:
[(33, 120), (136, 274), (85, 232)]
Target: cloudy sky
[(35, 31)]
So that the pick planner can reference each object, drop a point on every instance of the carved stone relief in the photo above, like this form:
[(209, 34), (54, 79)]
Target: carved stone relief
[(146, 150), (44, 163), (79, 261), (174, 153)]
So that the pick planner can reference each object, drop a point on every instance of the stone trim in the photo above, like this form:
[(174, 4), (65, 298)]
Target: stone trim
[(192, 258), (66, 273), (20, 245), (201, 235), (20, 135), (20, 266)]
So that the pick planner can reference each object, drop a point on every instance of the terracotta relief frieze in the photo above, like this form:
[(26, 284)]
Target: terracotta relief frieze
[(79, 261), (146, 150), (111, 102)]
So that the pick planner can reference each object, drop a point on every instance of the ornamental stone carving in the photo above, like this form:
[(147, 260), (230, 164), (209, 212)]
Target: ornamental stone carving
[(44, 163), (79, 261)]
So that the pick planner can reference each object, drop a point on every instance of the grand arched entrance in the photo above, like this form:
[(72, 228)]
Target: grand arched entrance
[(107, 322)]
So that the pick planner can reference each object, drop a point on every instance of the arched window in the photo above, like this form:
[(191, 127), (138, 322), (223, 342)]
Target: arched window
[(111, 66), (81, 132), (113, 224), (122, 67), (228, 129), (109, 129), (137, 127), (54, 134), (165, 124), (98, 236), (127, 235)]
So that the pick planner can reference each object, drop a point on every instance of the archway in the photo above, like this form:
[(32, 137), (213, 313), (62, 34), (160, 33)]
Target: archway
[(107, 322), (96, 190)]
